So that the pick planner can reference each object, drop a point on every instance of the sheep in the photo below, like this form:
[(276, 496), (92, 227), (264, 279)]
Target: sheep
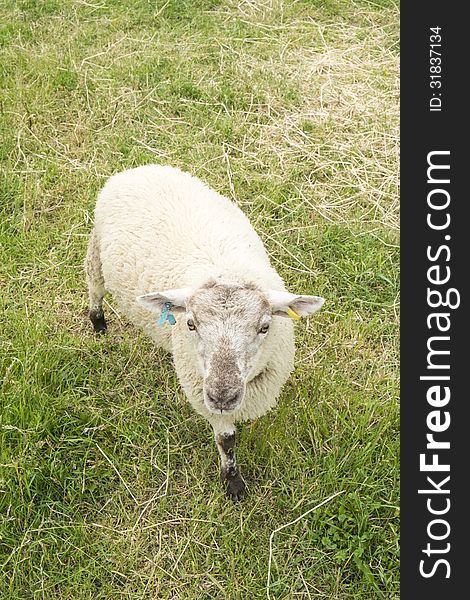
[(165, 244)]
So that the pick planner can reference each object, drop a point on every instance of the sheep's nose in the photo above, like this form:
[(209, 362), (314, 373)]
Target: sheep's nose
[(223, 400)]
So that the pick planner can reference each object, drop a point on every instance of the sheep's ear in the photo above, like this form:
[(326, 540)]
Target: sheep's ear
[(300, 305), (155, 301)]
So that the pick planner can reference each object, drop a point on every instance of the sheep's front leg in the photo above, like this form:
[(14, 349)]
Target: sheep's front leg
[(229, 472)]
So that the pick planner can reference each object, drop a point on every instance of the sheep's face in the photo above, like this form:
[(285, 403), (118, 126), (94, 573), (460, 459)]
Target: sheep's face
[(227, 325)]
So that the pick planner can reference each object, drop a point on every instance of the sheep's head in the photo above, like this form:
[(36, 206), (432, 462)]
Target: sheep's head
[(228, 323)]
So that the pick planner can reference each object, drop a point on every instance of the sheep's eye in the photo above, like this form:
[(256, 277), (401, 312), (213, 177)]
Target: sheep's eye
[(191, 325), (264, 329)]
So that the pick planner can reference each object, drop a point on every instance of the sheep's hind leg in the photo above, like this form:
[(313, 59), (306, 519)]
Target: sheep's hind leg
[(96, 288), (229, 471)]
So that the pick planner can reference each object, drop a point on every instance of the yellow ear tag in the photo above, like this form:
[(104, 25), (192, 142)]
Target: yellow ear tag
[(292, 314)]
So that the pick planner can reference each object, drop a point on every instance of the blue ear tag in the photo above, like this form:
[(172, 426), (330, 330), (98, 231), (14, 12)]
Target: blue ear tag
[(166, 315)]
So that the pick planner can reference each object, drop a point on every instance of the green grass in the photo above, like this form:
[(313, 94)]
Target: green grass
[(108, 480)]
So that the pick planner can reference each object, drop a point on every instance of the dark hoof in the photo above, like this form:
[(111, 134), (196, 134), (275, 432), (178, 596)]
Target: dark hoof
[(235, 488), (98, 321), (100, 329)]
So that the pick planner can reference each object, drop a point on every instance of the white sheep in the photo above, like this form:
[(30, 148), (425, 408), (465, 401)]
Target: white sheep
[(164, 243)]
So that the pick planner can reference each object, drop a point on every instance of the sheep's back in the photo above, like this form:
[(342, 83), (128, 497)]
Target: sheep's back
[(161, 228)]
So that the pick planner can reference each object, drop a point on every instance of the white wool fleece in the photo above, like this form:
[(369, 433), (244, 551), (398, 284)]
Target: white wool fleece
[(160, 228)]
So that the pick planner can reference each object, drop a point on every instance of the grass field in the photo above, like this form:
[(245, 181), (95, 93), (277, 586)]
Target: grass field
[(108, 481)]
